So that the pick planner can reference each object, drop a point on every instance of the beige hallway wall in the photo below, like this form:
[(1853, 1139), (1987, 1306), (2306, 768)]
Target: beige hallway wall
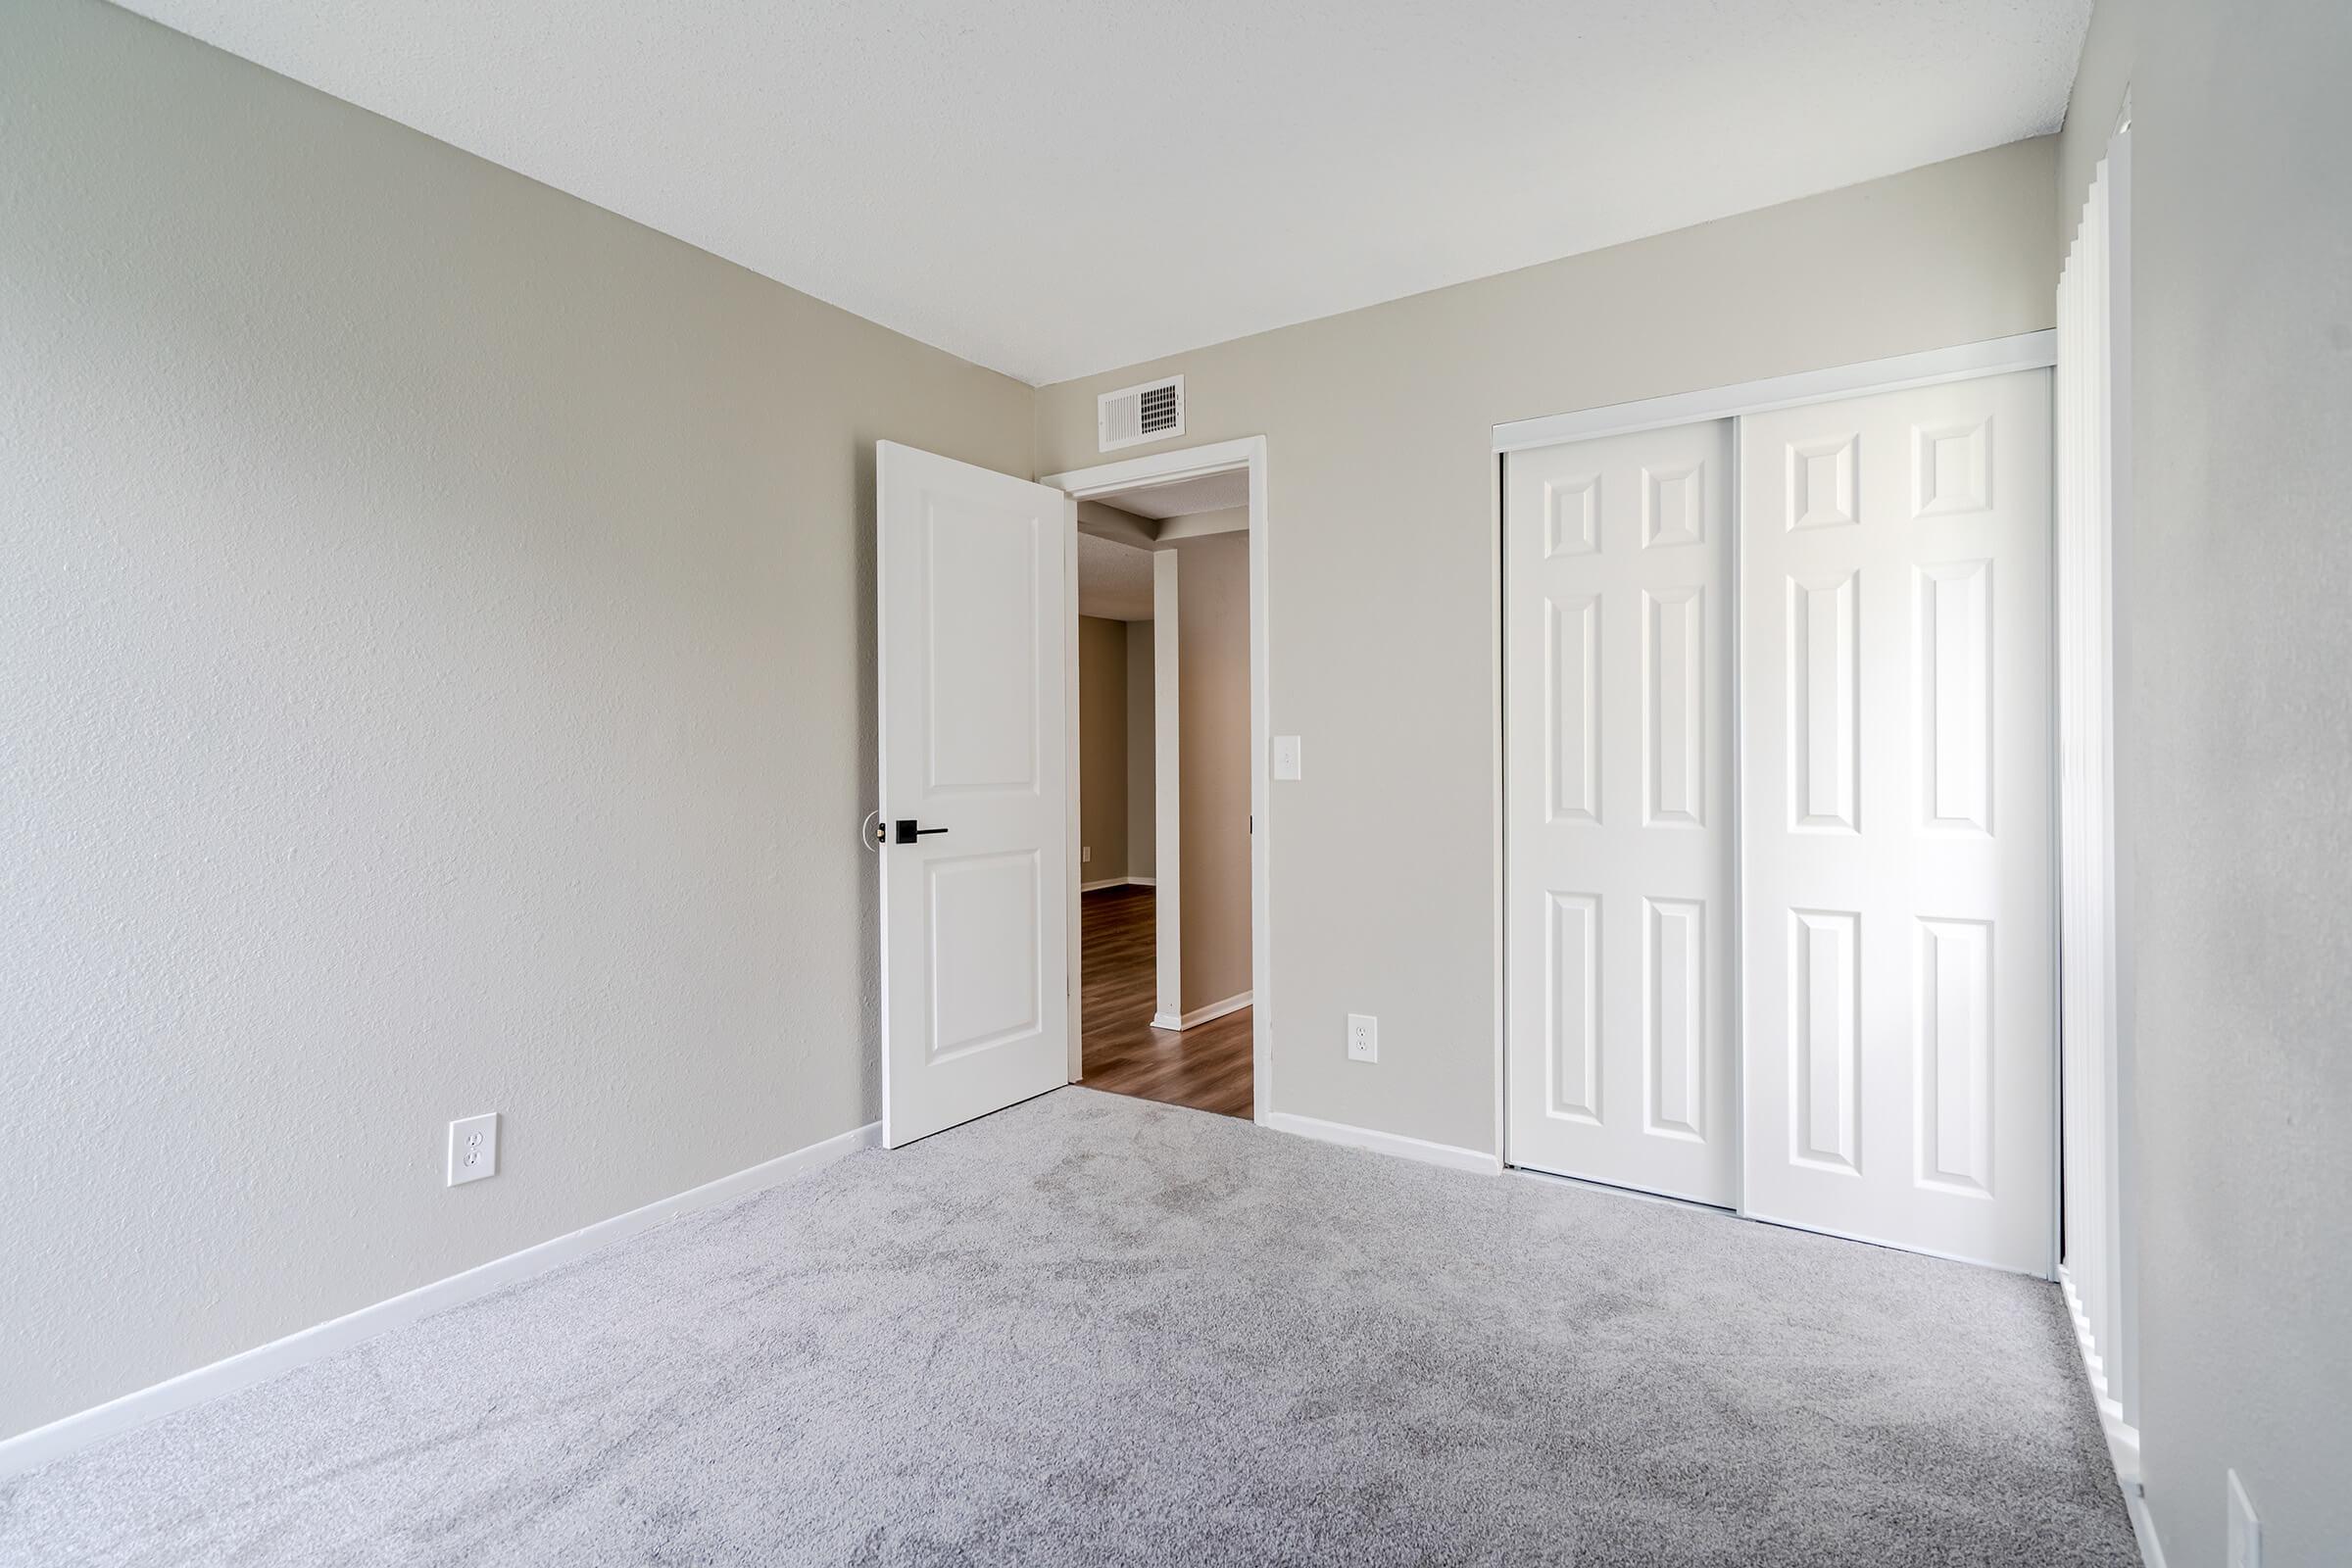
[(1382, 572), (1102, 748), (439, 679), (1142, 837), (1212, 698)]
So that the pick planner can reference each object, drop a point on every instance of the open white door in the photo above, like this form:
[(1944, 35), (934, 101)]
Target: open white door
[(970, 639)]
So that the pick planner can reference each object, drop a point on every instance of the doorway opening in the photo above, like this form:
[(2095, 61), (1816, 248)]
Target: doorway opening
[(1167, 864)]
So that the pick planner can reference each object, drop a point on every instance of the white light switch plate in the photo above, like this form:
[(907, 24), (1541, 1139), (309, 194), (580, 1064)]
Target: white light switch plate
[(1286, 757), (473, 1149), (1363, 1037), (2245, 1531)]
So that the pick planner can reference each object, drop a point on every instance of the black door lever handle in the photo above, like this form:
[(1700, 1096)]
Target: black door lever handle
[(907, 832)]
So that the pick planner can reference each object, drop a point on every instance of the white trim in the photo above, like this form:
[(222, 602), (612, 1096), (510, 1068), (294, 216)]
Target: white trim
[(2122, 1438), (1261, 804), (1734, 692), (2027, 350), (1380, 1143), (1171, 468), (204, 1384), (1074, 933), (1141, 882), (1167, 784), (2144, 1527), (1200, 1015), (1499, 840), (1160, 467), (1114, 882)]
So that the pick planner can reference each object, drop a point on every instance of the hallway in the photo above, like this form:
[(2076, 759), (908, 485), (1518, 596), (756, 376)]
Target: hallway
[(1205, 1068)]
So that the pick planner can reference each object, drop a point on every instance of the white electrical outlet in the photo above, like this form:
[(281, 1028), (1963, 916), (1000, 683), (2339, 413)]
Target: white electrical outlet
[(2245, 1531), (1363, 1037), (1085, 856), (1286, 757), (473, 1149)]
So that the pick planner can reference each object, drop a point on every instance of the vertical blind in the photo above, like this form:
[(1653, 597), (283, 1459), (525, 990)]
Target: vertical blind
[(2095, 1090)]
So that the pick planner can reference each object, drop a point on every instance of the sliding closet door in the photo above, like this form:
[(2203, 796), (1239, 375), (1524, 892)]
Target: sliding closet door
[(1896, 778), (1617, 726)]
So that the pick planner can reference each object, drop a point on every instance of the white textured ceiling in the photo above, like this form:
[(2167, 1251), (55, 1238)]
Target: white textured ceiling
[(1214, 492), (1053, 187), (1114, 580)]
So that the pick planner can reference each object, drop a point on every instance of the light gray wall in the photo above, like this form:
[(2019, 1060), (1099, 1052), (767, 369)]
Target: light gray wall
[(2240, 698), (1102, 748), (438, 657), (1142, 835), (1384, 572), (1213, 752)]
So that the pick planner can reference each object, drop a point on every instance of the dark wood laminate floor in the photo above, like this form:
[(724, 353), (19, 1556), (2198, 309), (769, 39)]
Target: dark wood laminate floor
[(1205, 1068)]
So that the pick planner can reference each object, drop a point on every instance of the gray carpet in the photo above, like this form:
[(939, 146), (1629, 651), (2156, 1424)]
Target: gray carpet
[(1092, 1330)]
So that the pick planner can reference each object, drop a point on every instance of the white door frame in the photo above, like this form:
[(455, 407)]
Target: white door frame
[(2026, 351), (1168, 792), (1172, 467)]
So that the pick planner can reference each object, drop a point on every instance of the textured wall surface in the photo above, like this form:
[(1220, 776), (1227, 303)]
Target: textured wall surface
[(1384, 571), (2240, 713), (438, 647), (1143, 836), (1103, 747)]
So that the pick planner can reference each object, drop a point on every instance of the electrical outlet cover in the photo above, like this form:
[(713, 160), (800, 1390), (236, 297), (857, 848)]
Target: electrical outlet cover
[(1363, 1037), (473, 1149)]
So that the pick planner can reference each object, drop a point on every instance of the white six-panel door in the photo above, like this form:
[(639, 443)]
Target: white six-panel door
[(1862, 1044), (1618, 736), (1896, 779), (972, 618)]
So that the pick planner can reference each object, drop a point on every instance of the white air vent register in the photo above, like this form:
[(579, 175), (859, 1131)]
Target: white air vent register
[(1151, 411)]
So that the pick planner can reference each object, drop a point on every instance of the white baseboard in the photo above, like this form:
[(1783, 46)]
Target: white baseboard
[(41, 1445), (1201, 1015), (2143, 1525), (1142, 882), (1379, 1142), (1115, 882), (2122, 1439)]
